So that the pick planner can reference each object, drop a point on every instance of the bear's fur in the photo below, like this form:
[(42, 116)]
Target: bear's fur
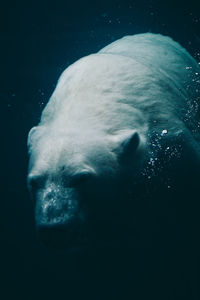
[(120, 130)]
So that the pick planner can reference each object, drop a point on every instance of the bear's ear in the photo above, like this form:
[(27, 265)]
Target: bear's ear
[(30, 135), (128, 143)]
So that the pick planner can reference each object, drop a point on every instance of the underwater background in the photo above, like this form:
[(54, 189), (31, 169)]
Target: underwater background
[(38, 41)]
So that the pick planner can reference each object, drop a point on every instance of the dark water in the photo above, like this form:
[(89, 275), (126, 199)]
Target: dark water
[(38, 41)]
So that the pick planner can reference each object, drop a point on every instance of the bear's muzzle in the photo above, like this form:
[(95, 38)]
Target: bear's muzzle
[(58, 215)]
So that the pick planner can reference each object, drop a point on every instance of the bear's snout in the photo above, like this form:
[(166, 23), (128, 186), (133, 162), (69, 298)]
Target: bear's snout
[(58, 215)]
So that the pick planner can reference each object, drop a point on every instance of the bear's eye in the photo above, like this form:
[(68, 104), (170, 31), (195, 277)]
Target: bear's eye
[(35, 182), (79, 179)]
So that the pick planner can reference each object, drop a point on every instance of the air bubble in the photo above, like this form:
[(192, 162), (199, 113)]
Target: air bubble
[(164, 132)]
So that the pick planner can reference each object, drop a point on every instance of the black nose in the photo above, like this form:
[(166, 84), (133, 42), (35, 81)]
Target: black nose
[(60, 235)]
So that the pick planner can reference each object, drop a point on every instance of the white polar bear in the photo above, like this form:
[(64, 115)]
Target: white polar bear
[(116, 120)]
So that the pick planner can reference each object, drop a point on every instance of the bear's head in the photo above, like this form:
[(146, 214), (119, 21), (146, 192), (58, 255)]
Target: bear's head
[(81, 185)]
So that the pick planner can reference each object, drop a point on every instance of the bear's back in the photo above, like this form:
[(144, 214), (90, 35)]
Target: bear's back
[(158, 52), (151, 47)]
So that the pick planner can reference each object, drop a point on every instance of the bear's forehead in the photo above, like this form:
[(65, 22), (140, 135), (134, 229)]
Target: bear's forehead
[(53, 153), (70, 146)]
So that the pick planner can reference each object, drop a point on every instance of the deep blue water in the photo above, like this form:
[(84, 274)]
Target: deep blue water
[(38, 41)]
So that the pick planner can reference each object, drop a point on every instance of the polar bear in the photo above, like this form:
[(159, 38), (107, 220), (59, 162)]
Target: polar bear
[(118, 121)]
